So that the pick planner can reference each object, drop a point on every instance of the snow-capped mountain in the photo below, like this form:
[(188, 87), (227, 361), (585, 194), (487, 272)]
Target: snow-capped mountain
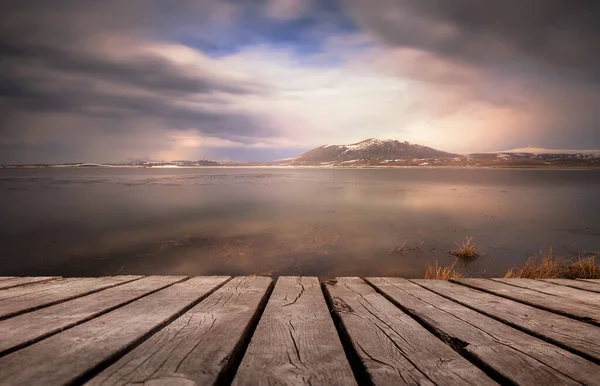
[(385, 153), (369, 150)]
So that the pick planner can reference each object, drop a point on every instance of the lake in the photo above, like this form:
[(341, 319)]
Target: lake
[(282, 221)]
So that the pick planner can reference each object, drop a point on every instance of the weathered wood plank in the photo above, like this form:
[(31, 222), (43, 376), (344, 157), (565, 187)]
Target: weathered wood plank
[(569, 307), (28, 328), (584, 285), (593, 299), (19, 281), (577, 336), (392, 347), (514, 355), (66, 357), (296, 342), (595, 281), (17, 300), (198, 347)]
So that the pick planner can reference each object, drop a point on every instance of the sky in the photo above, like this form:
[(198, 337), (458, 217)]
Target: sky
[(258, 80)]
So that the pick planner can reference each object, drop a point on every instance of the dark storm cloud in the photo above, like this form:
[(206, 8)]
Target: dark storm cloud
[(146, 71), (60, 35), (52, 93), (526, 70), (51, 64), (562, 36), (81, 98)]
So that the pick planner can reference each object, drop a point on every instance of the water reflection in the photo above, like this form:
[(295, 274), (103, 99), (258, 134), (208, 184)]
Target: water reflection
[(324, 222)]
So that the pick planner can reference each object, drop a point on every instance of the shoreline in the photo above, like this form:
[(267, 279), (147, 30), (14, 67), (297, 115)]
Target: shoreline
[(487, 167)]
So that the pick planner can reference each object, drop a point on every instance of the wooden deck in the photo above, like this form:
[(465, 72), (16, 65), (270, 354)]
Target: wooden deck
[(172, 330)]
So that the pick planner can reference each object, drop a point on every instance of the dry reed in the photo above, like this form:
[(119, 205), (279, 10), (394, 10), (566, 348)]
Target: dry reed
[(548, 266), (466, 250), (438, 272)]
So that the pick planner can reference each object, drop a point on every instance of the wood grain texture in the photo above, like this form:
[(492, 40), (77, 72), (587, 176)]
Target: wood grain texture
[(568, 307), (595, 281), (10, 282), (580, 284), (577, 336), (296, 342), (512, 354), (17, 300), (197, 348), (393, 348), (66, 357), (587, 297), (27, 328)]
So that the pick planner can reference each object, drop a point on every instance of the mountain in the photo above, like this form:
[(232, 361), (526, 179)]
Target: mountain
[(379, 152), (536, 157), (368, 151)]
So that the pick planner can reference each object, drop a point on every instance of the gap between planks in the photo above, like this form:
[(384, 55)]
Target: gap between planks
[(83, 350), (27, 298), (579, 284), (25, 329), (10, 282), (566, 306), (238, 349), (295, 341), (392, 348), (511, 354), (571, 334)]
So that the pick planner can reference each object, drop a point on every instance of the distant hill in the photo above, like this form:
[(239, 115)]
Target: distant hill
[(181, 163), (384, 152), (539, 150), (139, 164), (375, 150)]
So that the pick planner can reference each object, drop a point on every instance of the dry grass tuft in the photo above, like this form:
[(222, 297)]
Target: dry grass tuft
[(545, 265), (582, 268), (548, 266), (438, 272), (466, 250)]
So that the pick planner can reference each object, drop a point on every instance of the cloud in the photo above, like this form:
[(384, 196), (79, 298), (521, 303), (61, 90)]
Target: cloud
[(94, 83), (509, 72), (131, 88), (113, 80), (560, 35), (287, 9)]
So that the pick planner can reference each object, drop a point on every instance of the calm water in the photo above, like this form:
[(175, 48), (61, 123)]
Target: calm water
[(324, 222)]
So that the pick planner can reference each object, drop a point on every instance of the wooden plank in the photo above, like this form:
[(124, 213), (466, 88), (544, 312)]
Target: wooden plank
[(568, 307), (17, 300), (391, 346), (514, 355), (296, 342), (584, 285), (544, 287), (201, 346), (595, 281), (6, 277), (19, 281), (67, 357), (28, 328), (574, 335)]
